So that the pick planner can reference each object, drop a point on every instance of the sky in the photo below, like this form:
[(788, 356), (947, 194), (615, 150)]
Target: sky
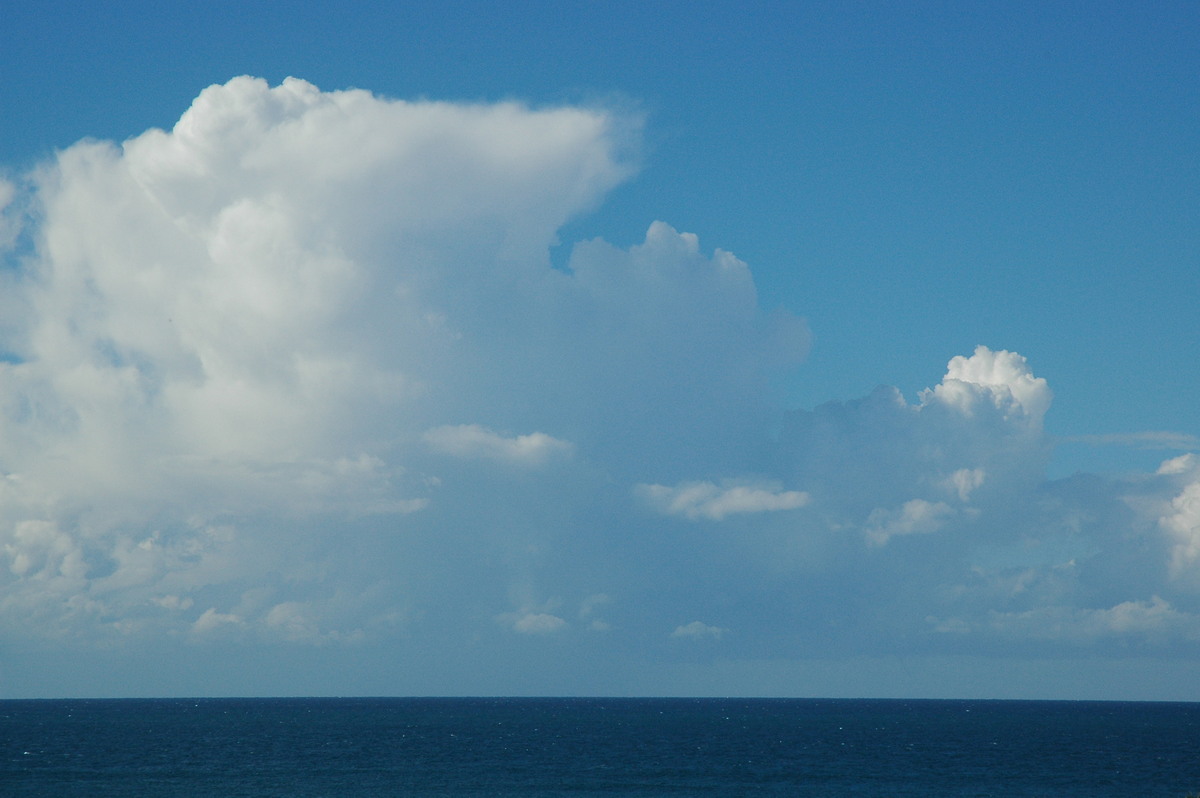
[(754, 349)]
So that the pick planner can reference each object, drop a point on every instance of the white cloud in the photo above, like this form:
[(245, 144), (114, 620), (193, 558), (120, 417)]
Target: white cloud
[(173, 602), (915, 517), (255, 315), (696, 630), (588, 611), (1152, 621), (1135, 616), (534, 623), (706, 500), (1179, 465), (237, 358), (211, 620), (592, 603), (39, 549), (980, 426), (1002, 379), (1150, 439), (298, 622), (964, 481), (473, 441), (1182, 526)]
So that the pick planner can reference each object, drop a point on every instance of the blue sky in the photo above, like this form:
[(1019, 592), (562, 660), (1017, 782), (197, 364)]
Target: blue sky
[(625, 348)]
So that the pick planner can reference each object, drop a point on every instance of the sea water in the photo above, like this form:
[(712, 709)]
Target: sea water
[(596, 747)]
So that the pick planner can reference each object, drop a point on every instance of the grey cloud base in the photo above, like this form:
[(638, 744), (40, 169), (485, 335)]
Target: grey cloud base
[(295, 384)]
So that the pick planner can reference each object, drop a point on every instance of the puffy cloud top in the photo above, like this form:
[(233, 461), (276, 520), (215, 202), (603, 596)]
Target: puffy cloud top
[(1002, 379)]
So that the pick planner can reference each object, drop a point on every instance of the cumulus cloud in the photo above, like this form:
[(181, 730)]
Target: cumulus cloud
[(256, 314), (473, 441), (705, 500), (1002, 379), (299, 371), (1146, 621), (964, 481), (1179, 465), (697, 630), (533, 623), (173, 602), (889, 467), (211, 620), (297, 622), (915, 517), (589, 612), (1182, 525)]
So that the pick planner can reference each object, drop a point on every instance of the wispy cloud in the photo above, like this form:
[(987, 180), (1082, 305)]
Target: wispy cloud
[(697, 630), (1150, 439), (474, 441), (706, 500), (533, 623)]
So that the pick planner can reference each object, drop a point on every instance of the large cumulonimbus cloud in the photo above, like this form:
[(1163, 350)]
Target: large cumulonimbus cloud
[(301, 370), (300, 305)]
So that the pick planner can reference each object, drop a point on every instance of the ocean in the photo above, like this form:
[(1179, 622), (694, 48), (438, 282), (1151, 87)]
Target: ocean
[(579, 747)]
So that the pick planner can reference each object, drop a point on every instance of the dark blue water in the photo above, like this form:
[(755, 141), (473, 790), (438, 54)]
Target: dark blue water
[(596, 747)]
